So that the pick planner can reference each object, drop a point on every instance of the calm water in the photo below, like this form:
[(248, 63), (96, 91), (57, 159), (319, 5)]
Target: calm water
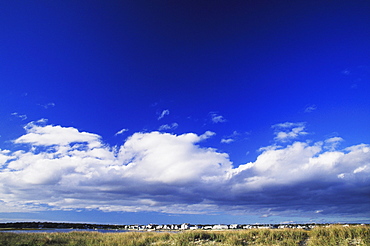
[(63, 230)]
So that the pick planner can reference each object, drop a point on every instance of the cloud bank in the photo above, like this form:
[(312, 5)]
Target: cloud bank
[(62, 168)]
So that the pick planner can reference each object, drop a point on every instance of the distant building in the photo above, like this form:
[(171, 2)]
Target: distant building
[(234, 226), (220, 227), (193, 227), (184, 226)]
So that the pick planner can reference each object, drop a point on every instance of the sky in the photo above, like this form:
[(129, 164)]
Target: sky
[(136, 112)]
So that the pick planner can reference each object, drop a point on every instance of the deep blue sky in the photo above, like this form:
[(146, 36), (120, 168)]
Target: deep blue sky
[(290, 77)]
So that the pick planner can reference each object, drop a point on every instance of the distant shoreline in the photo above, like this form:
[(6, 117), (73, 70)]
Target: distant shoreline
[(43, 226)]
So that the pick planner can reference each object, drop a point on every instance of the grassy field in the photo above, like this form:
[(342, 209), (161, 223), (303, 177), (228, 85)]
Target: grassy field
[(333, 235)]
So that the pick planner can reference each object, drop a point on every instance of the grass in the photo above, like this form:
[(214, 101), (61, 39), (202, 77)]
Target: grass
[(326, 236), (339, 235)]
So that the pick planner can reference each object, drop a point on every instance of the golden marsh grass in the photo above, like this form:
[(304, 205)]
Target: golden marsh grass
[(326, 236)]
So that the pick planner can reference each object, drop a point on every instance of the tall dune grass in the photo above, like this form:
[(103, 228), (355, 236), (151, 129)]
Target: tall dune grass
[(340, 235), (334, 235)]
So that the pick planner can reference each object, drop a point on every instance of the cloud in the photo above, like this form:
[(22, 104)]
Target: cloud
[(357, 76), (304, 177), (332, 143), (168, 127), (63, 168), (21, 116), (217, 118), (121, 131), (227, 140), (206, 135), (346, 72), (288, 131), (310, 108), (230, 138), (164, 113), (47, 105), (48, 135)]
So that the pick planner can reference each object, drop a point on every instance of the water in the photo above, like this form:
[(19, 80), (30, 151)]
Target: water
[(64, 230)]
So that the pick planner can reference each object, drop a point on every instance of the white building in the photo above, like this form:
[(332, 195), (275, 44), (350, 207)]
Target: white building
[(184, 226), (234, 226), (220, 227)]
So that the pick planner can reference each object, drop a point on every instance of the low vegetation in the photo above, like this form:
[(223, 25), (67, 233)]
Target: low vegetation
[(326, 236)]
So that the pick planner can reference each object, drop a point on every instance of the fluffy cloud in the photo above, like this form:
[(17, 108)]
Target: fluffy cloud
[(171, 159), (48, 135), (63, 168), (288, 131), (227, 140), (217, 118), (305, 176), (332, 143), (66, 168)]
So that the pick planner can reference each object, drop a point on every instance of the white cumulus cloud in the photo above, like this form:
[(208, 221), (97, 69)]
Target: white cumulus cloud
[(288, 131), (64, 168), (55, 135)]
